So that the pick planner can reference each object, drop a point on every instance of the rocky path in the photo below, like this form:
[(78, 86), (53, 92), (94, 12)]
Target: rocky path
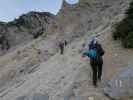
[(55, 77), (68, 76)]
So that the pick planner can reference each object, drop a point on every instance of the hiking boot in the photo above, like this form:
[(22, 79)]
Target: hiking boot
[(99, 79), (95, 85)]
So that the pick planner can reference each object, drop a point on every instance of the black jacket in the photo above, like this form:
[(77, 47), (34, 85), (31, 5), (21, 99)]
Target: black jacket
[(100, 52)]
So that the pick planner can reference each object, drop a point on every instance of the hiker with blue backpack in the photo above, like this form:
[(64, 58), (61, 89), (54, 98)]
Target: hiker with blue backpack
[(95, 54)]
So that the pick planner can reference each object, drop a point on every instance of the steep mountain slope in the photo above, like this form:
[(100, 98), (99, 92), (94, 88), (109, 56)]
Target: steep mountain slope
[(37, 67), (68, 75), (56, 77), (88, 15), (72, 20), (26, 28)]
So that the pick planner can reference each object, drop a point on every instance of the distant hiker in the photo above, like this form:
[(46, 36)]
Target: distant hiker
[(95, 54), (4, 43), (65, 43), (61, 47)]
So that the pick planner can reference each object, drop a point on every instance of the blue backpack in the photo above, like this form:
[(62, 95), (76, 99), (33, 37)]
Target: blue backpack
[(92, 54)]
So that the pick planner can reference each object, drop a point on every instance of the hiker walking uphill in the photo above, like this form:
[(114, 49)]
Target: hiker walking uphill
[(62, 45), (65, 43), (95, 54)]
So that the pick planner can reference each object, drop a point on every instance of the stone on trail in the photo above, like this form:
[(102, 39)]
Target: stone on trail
[(22, 98), (37, 96), (40, 97), (121, 86)]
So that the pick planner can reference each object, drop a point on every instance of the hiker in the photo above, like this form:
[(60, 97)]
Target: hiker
[(65, 43), (61, 47), (95, 54), (4, 43)]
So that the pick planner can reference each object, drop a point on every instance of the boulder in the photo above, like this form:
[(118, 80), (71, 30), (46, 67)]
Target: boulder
[(121, 85), (37, 96)]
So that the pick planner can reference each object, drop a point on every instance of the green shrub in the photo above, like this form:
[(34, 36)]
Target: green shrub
[(124, 29), (128, 40)]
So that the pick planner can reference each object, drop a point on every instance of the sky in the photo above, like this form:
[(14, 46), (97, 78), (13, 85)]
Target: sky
[(11, 9)]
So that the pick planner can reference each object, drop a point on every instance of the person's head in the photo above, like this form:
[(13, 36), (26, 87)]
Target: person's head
[(94, 41), (98, 34)]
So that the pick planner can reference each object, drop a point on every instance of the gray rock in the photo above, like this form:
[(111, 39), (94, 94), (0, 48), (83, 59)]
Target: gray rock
[(121, 85), (22, 98), (39, 96)]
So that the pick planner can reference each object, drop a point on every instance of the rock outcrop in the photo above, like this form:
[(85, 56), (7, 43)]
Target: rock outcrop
[(25, 28)]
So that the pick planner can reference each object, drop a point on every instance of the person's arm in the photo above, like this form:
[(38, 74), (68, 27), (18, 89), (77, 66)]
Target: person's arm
[(101, 50), (85, 54)]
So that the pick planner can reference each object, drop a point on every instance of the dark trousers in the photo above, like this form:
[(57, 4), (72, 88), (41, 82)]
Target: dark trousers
[(61, 50), (97, 71)]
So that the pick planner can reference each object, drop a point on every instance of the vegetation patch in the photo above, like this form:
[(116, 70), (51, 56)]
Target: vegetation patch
[(124, 29)]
